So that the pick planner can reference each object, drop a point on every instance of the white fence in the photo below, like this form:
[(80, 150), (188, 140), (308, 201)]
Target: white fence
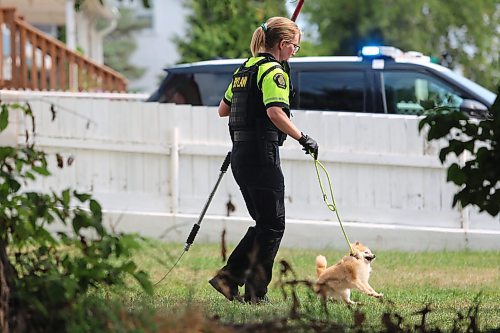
[(152, 167)]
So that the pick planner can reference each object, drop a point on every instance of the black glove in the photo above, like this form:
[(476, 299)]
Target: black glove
[(310, 145)]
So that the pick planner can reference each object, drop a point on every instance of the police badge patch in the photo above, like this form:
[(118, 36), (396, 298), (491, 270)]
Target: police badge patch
[(280, 80)]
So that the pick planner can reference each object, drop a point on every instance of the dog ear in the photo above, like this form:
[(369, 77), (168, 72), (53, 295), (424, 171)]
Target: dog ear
[(357, 243)]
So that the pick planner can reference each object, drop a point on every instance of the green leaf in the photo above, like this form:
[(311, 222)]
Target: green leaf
[(469, 145), (471, 129), (95, 208), (6, 152), (79, 222), (83, 197), (41, 170), (457, 147), (65, 195), (422, 123), (483, 153), (13, 184), (29, 175), (456, 175), (4, 118), (443, 153)]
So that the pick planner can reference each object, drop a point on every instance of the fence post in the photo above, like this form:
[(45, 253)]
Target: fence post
[(174, 170), (464, 211), (11, 26)]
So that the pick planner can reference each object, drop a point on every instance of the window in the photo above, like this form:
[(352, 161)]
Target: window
[(412, 93), (335, 90), (181, 89), (196, 89), (212, 86)]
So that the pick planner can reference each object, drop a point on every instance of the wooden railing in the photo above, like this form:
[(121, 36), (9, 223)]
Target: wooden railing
[(31, 59)]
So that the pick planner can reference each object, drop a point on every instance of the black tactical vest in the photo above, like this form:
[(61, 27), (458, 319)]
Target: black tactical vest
[(247, 108)]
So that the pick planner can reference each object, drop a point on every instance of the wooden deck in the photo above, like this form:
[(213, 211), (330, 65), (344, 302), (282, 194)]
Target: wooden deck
[(34, 60)]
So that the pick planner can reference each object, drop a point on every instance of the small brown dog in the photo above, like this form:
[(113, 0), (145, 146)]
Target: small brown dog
[(352, 271)]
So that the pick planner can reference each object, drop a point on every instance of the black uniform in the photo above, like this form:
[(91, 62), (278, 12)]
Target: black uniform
[(261, 82)]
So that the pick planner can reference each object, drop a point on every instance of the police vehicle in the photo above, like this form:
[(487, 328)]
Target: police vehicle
[(382, 79)]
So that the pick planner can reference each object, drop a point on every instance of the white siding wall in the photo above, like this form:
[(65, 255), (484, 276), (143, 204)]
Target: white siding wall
[(157, 163), (155, 47)]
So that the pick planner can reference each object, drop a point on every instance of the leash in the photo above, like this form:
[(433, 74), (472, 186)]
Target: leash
[(171, 268), (331, 205), (196, 226)]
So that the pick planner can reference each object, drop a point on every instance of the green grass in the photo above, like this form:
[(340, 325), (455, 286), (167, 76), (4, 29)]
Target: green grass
[(447, 281)]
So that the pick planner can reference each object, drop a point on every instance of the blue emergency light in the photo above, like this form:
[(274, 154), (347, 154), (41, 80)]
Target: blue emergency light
[(370, 51), (380, 52)]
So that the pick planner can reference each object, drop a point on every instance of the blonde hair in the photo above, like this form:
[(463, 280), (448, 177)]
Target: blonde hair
[(271, 33)]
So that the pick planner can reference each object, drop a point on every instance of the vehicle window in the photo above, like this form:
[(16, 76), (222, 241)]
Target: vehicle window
[(412, 93), (335, 90), (181, 89), (212, 86)]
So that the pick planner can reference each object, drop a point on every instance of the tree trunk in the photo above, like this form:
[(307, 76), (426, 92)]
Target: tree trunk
[(5, 275)]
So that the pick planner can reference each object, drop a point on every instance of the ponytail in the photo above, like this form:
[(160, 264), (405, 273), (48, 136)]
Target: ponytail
[(258, 43), (271, 33)]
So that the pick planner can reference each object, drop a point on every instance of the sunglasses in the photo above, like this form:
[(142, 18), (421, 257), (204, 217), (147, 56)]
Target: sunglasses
[(296, 47)]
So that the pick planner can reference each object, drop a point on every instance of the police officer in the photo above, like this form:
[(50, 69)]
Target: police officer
[(258, 105)]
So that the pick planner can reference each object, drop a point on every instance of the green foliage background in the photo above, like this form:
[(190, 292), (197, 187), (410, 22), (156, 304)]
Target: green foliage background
[(466, 31), (478, 177), (120, 44), (224, 28)]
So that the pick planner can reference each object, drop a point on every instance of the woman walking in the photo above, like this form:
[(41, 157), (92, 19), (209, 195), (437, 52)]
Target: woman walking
[(258, 105)]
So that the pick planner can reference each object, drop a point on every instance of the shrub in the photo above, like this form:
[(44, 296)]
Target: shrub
[(44, 275)]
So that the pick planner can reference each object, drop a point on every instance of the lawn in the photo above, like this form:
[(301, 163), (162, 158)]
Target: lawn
[(448, 283)]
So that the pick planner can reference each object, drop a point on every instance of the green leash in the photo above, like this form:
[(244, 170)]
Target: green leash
[(331, 205)]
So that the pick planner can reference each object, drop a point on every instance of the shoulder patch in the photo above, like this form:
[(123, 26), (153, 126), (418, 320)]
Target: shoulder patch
[(279, 79)]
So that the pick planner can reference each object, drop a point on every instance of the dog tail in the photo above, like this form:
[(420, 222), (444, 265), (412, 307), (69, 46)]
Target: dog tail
[(320, 264)]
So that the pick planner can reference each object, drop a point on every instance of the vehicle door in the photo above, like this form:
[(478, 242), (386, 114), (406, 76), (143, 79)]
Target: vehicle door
[(342, 88), (412, 91)]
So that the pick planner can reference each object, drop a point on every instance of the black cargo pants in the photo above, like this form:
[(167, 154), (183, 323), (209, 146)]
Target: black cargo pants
[(256, 169)]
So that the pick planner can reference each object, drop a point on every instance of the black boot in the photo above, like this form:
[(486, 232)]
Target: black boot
[(224, 285), (233, 274)]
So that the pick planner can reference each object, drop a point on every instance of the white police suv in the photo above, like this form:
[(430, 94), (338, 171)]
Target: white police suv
[(382, 79)]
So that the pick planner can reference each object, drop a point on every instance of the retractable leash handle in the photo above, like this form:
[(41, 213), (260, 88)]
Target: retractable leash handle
[(196, 226)]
